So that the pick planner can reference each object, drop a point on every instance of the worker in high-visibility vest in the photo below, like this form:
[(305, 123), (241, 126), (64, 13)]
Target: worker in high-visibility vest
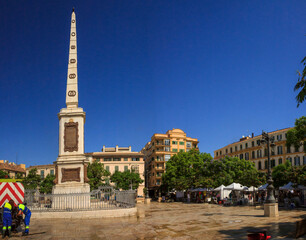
[(7, 219), (23, 209)]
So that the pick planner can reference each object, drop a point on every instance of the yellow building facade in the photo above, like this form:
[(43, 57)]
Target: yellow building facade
[(43, 170), (160, 149), (120, 159), (12, 169), (249, 148)]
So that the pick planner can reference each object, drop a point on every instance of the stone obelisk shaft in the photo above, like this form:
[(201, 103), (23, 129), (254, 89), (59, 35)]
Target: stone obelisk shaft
[(72, 75)]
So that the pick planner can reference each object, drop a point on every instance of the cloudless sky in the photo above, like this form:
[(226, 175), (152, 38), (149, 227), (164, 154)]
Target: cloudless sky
[(215, 69)]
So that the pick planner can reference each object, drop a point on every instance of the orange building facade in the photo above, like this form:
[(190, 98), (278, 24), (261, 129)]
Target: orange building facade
[(160, 149)]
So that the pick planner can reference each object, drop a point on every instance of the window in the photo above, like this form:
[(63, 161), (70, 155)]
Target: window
[(231, 149), (107, 159), (217, 154), (288, 150), (258, 142), (174, 149), (246, 156), (236, 149), (42, 174), (220, 153), (266, 164), (272, 163), (126, 159), (259, 165), (182, 143), (290, 160), (174, 142), (51, 172), (253, 144), (246, 145), (117, 159), (241, 156), (167, 142), (126, 168), (258, 153), (296, 149), (135, 168), (167, 157), (188, 144), (297, 161), (182, 150), (116, 168), (240, 146), (280, 161), (279, 150), (135, 159), (266, 152), (304, 160), (253, 154), (107, 168), (225, 150), (167, 149)]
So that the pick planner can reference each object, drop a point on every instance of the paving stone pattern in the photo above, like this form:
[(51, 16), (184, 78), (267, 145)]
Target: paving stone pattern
[(170, 221)]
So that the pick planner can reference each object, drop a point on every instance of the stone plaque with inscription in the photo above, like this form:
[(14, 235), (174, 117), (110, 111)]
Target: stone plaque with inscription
[(71, 137), (71, 174)]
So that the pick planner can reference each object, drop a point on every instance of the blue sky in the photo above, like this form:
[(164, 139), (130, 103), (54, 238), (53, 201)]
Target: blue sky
[(215, 69)]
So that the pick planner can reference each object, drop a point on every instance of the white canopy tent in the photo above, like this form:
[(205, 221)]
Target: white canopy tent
[(223, 193), (263, 187), (288, 186), (235, 187), (251, 189)]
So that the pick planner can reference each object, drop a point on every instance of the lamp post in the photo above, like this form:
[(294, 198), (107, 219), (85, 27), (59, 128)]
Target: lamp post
[(266, 139), (270, 206)]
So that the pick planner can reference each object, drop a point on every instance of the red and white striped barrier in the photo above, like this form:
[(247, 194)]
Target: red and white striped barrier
[(11, 190)]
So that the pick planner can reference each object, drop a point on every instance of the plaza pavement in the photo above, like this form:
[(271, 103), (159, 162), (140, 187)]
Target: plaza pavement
[(170, 221)]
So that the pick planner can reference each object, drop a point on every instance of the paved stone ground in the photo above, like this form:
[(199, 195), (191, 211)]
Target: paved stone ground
[(171, 221)]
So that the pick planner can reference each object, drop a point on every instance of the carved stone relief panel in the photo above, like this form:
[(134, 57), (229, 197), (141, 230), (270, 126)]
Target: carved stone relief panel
[(71, 137), (71, 174)]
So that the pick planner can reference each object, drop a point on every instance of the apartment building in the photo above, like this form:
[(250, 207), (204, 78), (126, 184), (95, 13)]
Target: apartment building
[(42, 170), (250, 148), (12, 168), (120, 159), (159, 150)]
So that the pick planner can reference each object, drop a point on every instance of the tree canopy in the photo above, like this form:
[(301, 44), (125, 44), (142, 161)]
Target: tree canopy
[(32, 180), (285, 173), (125, 180), (193, 169), (297, 135), (96, 174), (301, 84), (47, 184), (4, 174)]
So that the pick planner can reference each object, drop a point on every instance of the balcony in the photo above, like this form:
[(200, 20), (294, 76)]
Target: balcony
[(159, 168)]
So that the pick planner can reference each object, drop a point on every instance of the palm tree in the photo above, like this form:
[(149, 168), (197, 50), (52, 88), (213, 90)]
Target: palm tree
[(301, 84)]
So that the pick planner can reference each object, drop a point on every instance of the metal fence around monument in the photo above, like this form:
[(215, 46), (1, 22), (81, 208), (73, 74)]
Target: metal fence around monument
[(103, 198)]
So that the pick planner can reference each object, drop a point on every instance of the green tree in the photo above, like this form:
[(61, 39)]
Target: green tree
[(194, 169), (232, 169), (281, 174), (32, 181), (301, 84), (47, 184), (297, 135), (298, 175), (187, 170), (125, 180), (96, 174), (4, 174)]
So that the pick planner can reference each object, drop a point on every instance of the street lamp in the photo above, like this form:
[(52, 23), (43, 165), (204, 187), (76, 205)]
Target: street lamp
[(266, 139)]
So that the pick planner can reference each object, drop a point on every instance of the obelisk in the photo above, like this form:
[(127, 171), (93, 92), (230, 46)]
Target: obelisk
[(71, 164)]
